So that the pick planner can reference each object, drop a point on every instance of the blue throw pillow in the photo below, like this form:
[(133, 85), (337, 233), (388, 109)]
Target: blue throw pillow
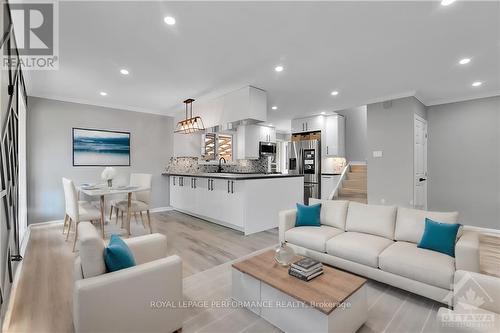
[(117, 255), (308, 216), (440, 237)]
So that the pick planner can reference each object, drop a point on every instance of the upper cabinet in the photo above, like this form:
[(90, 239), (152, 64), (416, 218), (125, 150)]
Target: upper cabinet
[(267, 134), (249, 137), (333, 139), (309, 124), (332, 132)]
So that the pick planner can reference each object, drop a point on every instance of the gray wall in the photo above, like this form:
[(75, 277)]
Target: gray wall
[(50, 126), (464, 160), (356, 133), (390, 129)]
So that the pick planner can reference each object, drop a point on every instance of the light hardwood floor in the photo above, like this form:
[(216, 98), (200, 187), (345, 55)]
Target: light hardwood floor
[(42, 299), (390, 310)]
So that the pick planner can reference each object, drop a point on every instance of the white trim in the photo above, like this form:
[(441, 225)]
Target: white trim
[(358, 163), (481, 229), (471, 97), (161, 209), (211, 220), (105, 105), (35, 224)]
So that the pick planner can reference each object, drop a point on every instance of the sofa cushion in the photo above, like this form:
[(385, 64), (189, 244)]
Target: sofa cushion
[(91, 249), (333, 212), (308, 216), (358, 247), (406, 259), (117, 255), (371, 219), (439, 237), (410, 223), (313, 238)]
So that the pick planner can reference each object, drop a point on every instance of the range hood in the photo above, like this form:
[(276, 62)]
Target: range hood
[(231, 126)]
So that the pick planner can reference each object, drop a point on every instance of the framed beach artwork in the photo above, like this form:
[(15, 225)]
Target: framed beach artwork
[(92, 147)]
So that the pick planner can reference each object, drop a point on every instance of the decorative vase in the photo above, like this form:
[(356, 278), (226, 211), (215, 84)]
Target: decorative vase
[(284, 254), (110, 183)]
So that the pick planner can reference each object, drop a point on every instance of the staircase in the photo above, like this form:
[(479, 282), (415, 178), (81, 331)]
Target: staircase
[(354, 186)]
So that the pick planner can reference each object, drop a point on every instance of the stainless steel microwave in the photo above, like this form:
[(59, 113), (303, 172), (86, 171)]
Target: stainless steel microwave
[(267, 148)]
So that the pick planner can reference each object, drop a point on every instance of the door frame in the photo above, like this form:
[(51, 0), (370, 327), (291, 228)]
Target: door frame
[(420, 119)]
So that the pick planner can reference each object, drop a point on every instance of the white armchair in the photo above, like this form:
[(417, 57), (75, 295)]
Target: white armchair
[(476, 304), (143, 298)]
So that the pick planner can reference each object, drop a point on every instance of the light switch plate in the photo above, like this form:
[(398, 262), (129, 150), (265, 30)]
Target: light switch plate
[(378, 153)]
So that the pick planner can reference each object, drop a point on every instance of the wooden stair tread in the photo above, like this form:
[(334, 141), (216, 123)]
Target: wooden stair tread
[(349, 190)]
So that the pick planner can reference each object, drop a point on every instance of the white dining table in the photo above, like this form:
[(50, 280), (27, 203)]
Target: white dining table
[(102, 190)]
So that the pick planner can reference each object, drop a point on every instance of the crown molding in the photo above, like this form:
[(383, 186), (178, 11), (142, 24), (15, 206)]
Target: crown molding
[(440, 101), (105, 105)]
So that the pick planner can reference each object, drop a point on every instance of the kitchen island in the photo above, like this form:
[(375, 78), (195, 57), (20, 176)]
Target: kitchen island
[(246, 202)]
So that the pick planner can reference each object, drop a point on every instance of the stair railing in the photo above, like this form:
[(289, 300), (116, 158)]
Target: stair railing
[(335, 193)]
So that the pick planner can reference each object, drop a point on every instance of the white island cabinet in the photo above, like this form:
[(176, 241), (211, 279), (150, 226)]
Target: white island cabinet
[(246, 203)]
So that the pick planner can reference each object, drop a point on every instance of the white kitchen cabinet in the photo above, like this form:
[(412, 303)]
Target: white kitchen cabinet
[(184, 193), (333, 139), (247, 142), (205, 199), (248, 138), (230, 192), (249, 205), (174, 193), (267, 134), (328, 184), (308, 124)]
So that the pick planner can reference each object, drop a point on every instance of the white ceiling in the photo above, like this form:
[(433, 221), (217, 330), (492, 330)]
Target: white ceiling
[(368, 51)]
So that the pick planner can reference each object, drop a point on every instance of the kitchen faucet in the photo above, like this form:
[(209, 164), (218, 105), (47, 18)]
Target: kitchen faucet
[(219, 170)]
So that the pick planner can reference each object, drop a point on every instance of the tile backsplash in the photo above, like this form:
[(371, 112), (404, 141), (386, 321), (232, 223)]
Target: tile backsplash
[(191, 165)]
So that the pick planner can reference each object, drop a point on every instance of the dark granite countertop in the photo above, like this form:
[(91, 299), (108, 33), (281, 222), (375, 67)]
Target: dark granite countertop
[(232, 176)]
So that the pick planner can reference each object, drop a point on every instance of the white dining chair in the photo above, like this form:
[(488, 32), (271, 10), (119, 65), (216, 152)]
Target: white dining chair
[(140, 200), (76, 211)]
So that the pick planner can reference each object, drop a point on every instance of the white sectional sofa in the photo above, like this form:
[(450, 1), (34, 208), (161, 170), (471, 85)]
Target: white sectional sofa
[(380, 242)]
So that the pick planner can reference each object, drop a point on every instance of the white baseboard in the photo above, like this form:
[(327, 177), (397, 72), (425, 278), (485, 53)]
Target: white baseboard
[(481, 229), (160, 209), (357, 162)]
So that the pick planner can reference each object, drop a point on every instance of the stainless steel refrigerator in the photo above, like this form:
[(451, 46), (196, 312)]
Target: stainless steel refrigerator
[(304, 157)]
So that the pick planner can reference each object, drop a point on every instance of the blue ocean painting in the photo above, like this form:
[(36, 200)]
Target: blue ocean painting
[(103, 148)]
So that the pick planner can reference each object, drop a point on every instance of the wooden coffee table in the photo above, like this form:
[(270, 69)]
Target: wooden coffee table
[(333, 302)]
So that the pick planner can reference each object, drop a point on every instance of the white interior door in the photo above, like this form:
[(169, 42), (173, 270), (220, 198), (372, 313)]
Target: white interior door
[(420, 163)]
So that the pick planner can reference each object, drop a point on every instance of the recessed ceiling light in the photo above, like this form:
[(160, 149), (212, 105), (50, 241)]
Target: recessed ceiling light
[(334, 93), (323, 113), (464, 61), (124, 71), (103, 93), (279, 68), (447, 2), (274, 107), (169, 20), (270, 124), (477, 84)]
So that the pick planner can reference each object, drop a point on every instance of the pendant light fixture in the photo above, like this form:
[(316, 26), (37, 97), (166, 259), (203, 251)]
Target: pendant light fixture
[(191, 124)]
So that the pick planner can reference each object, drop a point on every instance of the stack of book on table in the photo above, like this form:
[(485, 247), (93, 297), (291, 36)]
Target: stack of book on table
[(306, 269)]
